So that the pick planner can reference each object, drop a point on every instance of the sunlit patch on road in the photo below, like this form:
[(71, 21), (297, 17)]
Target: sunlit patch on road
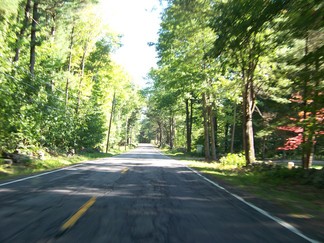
[(135, 197)]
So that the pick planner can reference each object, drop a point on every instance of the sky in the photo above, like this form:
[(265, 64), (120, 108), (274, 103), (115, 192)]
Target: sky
[(138, 22)]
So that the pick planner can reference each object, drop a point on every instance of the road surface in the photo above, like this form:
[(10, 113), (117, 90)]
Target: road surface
[(140, 196)]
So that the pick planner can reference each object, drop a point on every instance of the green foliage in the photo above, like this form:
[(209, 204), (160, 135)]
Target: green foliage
[(302, 27), (280, 174), (64, 103), (318, 178), (233, 159), (244, 56), (48, 163)]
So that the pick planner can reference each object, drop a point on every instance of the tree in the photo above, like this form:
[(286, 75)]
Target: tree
[(184, 40), (303, 28), (55, 59), (243, 38), (21, 33), (301, 138), (35, 20)]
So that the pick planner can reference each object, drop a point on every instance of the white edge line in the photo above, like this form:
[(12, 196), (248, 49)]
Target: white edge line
[(38, 175), (263, 212)]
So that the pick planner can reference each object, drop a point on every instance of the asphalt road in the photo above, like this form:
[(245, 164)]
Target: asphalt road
[(140, 196)]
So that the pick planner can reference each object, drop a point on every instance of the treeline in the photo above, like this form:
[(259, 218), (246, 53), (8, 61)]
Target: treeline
[(240, 76), (59, 87)]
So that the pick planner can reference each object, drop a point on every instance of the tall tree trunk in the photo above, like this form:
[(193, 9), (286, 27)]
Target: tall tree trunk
[(226, 132), (53, 27), (248, 68), (172, 131), (233, 129), (130, 140), (311, 109), (216, 130), (188, 123), (167, 134), (69, 66), (156, 136), (82, 66), (206, 128), (212, 131), (191, 119), (33, 38), (110, 121), (161, 133), (316, 106), (22, 31), (305, 146), (126, 133), (248, 137)]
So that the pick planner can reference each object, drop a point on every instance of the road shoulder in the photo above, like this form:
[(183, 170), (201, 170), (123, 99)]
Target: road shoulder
[(312, 227)]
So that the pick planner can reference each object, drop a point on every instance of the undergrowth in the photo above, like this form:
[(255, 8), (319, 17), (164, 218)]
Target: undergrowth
[(48, 163)]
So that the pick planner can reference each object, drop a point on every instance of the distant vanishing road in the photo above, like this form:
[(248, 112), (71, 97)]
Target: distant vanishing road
[(139, 196)]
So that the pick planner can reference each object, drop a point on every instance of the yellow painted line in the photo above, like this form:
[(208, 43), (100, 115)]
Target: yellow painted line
[(124, 170), (71, 221)]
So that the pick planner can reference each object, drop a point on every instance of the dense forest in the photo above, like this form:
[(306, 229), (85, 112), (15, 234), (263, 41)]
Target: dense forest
[(235, 76), (239, 76), (59, 88)]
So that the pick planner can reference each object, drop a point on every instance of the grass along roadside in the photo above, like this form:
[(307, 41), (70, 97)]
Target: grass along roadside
[(49, 163), (299, 204), (301, 200)]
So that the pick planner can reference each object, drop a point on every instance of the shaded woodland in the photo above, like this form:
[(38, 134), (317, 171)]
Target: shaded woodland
[(239, 76)]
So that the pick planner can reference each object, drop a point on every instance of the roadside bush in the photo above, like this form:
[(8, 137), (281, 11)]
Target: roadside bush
[(233, 159), (280, 175), (285, 173), (318, 178), (132, 145), (259, 167)]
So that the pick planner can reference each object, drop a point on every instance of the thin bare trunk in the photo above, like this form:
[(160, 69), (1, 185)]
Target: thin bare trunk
[(53, 27), (233, 129), (213, 138), (226, 132), (191, 118), (126, 134), (188, 123), (110, 121), (69, 67), (33, 38), (206, 127), (309, 134), (172, 131), (22, 31), (130, 139), (161, 134), (82, 65), (304, 148)]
